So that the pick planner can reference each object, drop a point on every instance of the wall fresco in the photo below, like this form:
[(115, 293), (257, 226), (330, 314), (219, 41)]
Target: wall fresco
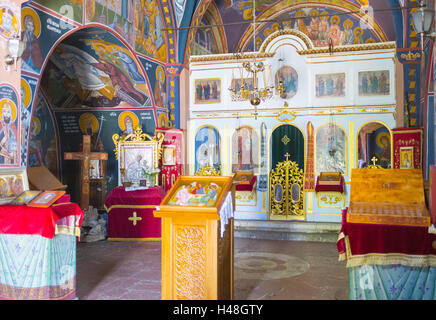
[(93, 69)]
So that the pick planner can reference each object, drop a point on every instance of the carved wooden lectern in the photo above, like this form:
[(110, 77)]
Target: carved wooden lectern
[(197, 239)]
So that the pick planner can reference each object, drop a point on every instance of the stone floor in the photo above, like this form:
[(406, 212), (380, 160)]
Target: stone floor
[(264, 270)]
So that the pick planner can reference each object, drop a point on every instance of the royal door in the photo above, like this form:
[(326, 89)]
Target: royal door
[(286, 200)]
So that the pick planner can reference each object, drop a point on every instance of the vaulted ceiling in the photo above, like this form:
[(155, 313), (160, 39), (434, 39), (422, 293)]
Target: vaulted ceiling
[(356, 21)]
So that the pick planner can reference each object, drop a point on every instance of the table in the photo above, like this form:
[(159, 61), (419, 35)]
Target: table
[(130, 214), (38, 245), (388, 262)]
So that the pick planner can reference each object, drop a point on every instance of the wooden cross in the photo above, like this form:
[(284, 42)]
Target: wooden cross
[(85, 156), (134, 219)]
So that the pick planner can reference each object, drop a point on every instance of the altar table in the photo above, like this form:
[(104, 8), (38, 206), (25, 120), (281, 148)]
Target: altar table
[(388, 262), (130, 214), (38, 251)]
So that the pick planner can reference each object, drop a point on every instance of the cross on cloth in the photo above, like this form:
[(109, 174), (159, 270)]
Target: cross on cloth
[(134, 218), (85, 156)]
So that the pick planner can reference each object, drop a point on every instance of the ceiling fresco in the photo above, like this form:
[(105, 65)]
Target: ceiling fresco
[(344, 22)]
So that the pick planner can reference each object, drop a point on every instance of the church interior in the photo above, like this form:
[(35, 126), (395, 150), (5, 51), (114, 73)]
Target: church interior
[(217, 149)]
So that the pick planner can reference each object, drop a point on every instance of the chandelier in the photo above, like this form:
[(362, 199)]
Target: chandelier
[(251, 91)]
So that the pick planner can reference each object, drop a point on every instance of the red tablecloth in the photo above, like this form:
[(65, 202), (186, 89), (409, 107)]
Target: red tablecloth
[(130, 214), (332, 188), (246, 186), (361, 243), (28, 220)]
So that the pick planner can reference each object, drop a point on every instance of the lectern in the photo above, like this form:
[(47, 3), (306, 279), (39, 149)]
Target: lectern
[(197, 239)]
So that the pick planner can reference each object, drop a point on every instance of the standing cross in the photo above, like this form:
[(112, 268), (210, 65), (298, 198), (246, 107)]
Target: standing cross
[(287, 155), (85, 156), (374, 160)]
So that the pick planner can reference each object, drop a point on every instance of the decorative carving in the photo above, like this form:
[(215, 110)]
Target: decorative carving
[(190, 263), (331, 199), (246, 196), (286, 189), (286, 116), (286, 140), (220, 57), (138, 136), (279, 33), (207, 171), (349, 48)]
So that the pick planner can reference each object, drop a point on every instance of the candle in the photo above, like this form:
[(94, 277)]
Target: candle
[(242, 77)]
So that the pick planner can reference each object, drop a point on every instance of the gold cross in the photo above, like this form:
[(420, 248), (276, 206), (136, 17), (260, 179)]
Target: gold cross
[(287, 155), (285, 140), (374, 160), (135, 218)]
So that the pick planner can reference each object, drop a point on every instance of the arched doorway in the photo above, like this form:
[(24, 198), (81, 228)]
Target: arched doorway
[(286, 175), (92, 83)]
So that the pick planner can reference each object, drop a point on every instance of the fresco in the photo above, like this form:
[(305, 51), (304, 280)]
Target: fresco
[(240, 88), (289, 79), (379, 146), (209, 40), (149, 37), (156, 76), (9, 135), (207, 91), (101, 125), (117, 15), (27, 87), (179, 5), (160, 91), (9, 24), (38, 41), (318, 23), (42, 145), (330, 85), (96, 72), (32, 57), (72, 9), (374, 83)]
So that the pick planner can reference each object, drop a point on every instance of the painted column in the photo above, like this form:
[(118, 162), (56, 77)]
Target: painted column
[(10, 75)]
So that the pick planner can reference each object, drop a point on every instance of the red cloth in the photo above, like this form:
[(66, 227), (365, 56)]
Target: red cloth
[(248, 186), (330, 188), (379, 238), (432, 195), (407, 137), (121, 205), (119, 196), (27, 220), (64, 198)]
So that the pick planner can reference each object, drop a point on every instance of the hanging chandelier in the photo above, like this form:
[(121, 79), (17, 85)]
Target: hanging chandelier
[(249, 87)]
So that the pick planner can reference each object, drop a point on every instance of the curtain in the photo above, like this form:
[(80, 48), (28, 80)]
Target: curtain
[(287, 139)]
